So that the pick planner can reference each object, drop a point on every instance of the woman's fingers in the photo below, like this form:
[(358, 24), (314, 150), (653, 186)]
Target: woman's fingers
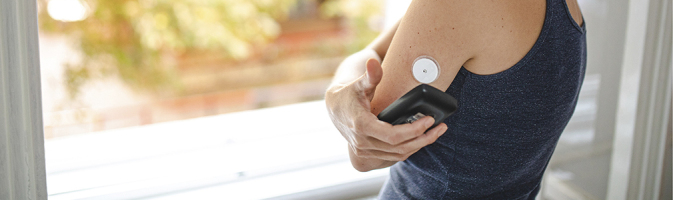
[(413, 144), (421, 141), (368, 125), (381, 155), (403, 151), (349, 109)]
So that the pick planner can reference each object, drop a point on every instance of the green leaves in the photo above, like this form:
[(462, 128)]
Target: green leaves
[(142, 41), (140, 36)]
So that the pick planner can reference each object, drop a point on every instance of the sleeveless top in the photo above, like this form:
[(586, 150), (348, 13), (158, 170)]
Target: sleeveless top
[(501, 138)]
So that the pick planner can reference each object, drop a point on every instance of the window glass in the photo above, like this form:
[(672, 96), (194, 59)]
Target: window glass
[(114, 64), (163, 98)]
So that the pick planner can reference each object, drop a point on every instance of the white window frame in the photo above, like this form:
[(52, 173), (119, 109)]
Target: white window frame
[(644, 104), (22, 167)]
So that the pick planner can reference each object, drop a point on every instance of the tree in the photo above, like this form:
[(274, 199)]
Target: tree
[(135, 39)]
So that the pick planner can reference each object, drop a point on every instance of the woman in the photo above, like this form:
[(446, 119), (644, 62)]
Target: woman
[(515, 67)]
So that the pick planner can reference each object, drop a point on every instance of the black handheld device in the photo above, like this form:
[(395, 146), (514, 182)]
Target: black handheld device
[(423, 100)]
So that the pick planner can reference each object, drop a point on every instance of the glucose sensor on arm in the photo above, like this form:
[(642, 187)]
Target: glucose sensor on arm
[(423, 100), (425, 69)]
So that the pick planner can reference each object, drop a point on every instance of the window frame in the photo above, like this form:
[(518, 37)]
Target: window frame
[(22, 163)]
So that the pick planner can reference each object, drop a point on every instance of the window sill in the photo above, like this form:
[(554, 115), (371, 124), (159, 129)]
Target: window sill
[(275, 152)]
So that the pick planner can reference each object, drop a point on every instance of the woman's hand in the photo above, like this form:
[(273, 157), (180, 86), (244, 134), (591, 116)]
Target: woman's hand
[(373, 143)]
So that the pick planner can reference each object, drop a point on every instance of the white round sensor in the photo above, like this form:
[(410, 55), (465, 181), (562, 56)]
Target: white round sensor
[(425, 69)]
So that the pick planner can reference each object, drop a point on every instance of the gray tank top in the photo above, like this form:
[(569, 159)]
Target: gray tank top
[(501, 138)]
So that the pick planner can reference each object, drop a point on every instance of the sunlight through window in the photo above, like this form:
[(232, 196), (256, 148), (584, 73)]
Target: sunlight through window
[(67, 10)]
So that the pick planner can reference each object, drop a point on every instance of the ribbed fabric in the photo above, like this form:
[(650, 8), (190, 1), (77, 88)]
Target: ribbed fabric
[(500, 140)]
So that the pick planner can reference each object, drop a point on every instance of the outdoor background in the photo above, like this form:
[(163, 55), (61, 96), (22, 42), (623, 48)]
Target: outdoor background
[(114, 64)]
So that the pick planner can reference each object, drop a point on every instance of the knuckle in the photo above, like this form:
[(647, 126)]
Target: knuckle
[(356, 143), (358, 152)]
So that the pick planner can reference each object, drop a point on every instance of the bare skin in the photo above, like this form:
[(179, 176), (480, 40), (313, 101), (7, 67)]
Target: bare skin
[(485, 37)]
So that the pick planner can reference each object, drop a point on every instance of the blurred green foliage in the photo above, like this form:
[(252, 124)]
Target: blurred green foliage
[(131, 38), (136, 39), (362, 15)]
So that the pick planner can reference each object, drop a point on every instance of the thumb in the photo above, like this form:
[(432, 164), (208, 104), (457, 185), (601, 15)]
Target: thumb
[(373, 77)]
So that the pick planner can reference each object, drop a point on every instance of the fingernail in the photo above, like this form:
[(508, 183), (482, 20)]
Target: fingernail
[(429, 122)]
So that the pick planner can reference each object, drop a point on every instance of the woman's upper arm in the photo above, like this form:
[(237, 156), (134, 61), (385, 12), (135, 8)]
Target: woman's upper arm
[(439, 29)]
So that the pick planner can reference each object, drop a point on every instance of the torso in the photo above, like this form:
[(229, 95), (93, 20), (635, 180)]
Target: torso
[(515, 97)]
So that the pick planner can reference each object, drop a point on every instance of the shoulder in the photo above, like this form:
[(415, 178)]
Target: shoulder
[(485, 37), (457, 33)]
